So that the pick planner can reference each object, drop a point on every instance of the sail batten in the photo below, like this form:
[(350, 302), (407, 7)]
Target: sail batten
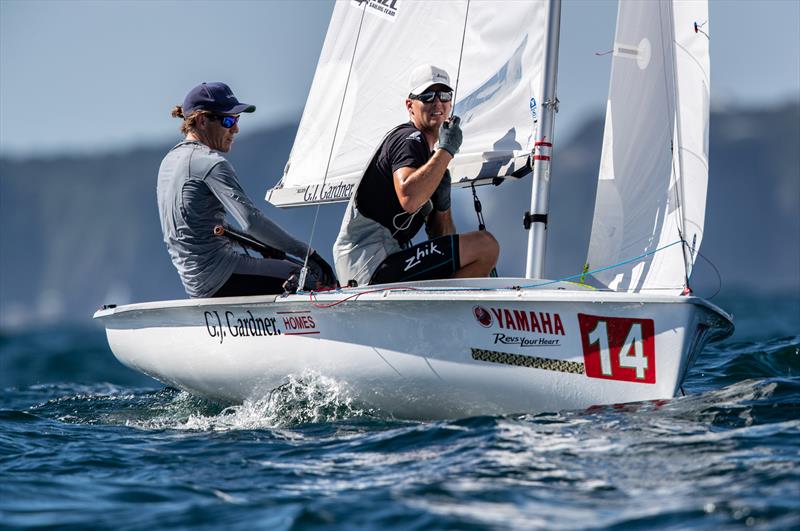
[(501, 72)]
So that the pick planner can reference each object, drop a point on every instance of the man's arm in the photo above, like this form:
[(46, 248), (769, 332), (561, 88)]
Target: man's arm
[(414, 186), (440, 220), (440, 223), (224, 184)]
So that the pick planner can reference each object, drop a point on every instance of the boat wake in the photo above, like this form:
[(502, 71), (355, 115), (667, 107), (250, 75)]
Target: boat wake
[(306, 398), (303, 399)]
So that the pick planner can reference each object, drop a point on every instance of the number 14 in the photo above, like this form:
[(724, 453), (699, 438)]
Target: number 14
[(630, 355), (618, 348)]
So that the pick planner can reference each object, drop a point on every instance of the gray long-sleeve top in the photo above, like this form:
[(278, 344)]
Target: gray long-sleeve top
[(196, 187)]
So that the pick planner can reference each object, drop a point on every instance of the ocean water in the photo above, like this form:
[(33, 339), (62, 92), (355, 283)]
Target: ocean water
[(86, 443)]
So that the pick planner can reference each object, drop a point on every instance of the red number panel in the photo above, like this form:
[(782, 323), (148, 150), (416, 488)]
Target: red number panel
[(617, 348)]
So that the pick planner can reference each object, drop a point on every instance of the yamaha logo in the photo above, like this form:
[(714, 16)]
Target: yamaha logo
[(483, 316)]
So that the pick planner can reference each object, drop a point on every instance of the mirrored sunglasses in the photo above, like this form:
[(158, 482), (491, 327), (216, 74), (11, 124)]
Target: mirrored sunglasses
[(225, 121), (428, 97)]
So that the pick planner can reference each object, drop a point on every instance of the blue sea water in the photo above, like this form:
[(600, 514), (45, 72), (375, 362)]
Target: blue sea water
[(84, 442)]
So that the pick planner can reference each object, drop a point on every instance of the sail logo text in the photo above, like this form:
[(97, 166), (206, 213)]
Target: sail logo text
[(384, 8), (327, 192), (239, 326), (522, 321)]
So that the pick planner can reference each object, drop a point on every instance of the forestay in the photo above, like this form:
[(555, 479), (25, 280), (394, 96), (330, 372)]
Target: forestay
[(350, 109), (650, 195)]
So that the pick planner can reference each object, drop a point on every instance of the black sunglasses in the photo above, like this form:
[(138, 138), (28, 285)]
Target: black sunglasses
[(225, 121), (428, 97)]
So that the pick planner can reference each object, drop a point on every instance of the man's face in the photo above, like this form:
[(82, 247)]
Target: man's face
[(429, 116), (215, 135)]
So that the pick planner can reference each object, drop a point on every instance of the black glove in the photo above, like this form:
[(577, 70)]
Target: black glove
[(450, 136), (441, 196), (328, 278), (291, 285)]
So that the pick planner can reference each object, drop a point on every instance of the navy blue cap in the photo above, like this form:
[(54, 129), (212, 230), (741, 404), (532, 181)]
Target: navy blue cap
[(215, 97)]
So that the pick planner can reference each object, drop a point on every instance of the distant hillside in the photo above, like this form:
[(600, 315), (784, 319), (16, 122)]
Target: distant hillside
[(78, 232)]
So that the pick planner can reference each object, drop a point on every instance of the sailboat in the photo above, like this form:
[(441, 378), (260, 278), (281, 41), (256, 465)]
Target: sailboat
[(627, 330)]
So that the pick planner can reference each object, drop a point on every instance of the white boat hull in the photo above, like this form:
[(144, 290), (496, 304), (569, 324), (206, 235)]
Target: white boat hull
[(429, 353)]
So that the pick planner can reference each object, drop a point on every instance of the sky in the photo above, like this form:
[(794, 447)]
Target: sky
[(96, 76)]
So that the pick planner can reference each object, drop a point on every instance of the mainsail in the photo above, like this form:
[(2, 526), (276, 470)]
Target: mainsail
[(654, 167), (361, 83)]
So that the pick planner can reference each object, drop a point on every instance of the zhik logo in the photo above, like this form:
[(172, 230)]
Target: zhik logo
[(422, 252)]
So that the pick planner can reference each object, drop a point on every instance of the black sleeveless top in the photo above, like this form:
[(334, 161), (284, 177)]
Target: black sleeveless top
[(376, 198)]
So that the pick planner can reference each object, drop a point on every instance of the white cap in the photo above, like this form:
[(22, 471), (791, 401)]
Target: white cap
[(425, 76)]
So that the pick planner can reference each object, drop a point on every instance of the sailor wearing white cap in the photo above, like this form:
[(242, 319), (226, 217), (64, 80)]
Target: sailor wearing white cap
[(405, 186)]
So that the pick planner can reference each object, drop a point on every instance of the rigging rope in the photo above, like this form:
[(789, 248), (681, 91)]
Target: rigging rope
[(719, 276), (460, 57), (481, 223), (593, 271), (304, 270), (478, 208)]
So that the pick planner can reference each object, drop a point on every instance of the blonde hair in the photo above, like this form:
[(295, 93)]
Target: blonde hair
[(189, 122)]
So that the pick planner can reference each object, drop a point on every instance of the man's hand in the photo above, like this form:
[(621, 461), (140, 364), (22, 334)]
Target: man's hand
[(328, 278), (450, 136)]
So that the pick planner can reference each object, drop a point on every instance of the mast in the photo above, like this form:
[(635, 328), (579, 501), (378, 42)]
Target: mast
[(536, 219)]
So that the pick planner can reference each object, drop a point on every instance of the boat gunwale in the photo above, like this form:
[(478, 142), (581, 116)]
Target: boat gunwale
[(423, 291)]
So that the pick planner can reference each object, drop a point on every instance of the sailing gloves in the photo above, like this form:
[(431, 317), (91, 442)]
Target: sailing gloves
[(321, 277), (328, 277), (450, 136), (441, 196)]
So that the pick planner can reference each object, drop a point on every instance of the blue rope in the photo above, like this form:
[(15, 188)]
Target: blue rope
[(592, 272)]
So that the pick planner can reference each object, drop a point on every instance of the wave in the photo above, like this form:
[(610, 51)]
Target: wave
[(733, 361), (304, 399), (313, 399)]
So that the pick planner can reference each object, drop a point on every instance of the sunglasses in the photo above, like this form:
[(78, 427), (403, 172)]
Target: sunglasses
[(428, 97), (225, 121)]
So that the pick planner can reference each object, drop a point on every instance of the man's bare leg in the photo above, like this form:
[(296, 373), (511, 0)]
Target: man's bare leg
[(478, 252)]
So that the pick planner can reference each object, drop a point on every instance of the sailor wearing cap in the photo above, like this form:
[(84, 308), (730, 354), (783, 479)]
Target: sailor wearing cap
[(405, 186), (197, 187)]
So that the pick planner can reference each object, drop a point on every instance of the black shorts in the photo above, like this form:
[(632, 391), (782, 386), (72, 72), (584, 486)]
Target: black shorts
[(432, 259), (263, 276)]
